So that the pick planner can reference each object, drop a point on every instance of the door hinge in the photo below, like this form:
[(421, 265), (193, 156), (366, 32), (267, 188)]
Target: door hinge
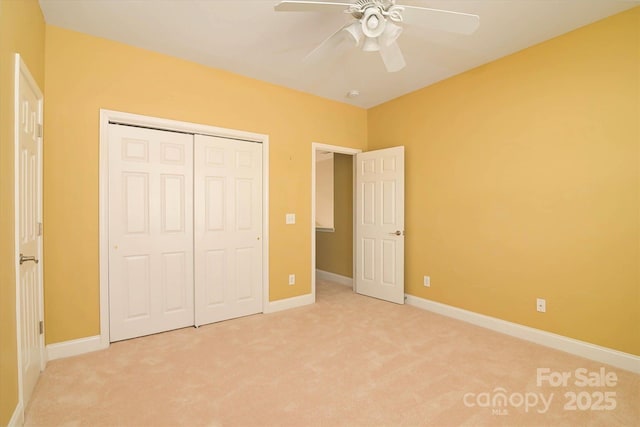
[(39, 130), (39, 229), (41, 325)]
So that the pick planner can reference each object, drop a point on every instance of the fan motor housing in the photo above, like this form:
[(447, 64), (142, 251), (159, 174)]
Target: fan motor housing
[(361, 6)]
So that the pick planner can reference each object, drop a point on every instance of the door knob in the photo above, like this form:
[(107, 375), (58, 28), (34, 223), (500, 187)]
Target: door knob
[(24, 259), (396, 233)]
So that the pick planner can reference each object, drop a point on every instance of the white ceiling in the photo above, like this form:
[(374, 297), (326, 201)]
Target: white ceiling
[(247, 37)]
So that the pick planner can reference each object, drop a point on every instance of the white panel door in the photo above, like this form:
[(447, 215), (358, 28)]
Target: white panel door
[(380, 224), (150, 231), (29, 214), (228, 229)]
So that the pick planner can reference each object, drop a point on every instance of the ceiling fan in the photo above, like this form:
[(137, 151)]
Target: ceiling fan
[(378, 23)]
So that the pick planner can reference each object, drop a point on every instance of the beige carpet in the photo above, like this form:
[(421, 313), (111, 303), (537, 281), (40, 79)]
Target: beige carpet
[(348, 360)]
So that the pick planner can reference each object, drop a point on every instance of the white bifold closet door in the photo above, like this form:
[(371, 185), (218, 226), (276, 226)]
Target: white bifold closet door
[(150, 231), (164, 272), (228, 224)]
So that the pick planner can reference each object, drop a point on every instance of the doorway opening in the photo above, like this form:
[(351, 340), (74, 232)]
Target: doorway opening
[(332, 238), (378, 233)]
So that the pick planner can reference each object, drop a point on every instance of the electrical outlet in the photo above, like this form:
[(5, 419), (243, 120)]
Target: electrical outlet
[(292, 279), (541, 305), (290, 218), (427, 281)]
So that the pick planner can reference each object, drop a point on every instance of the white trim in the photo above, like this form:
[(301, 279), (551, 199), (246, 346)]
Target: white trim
[(265, 223), (107, 116), (75, 347), (16, 222), (316, 146), (21, 70), (289, 303), (333, 277), (17, 419), (584, 349), (354, 266), (103, 219)]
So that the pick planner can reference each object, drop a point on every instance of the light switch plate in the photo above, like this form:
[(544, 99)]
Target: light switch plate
[(290, 218)]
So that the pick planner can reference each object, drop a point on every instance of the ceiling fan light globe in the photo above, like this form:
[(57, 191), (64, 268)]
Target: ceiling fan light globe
[(370, 44), (355, 31), (373, 23)]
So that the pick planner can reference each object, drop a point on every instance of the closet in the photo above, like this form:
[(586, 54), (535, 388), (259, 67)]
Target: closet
[(185, 228)]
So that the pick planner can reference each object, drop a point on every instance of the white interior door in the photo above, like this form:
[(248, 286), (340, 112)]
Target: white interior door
[(28, 219), (150, 231), (228, 228), (380, 224)]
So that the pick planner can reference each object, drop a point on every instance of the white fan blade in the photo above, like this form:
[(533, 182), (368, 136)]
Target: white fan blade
[(330, 43), (311, 6), (446, 20), (392, 57)]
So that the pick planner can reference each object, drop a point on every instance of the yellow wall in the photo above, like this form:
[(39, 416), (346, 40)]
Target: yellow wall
[(522, 182), (334, 251), (21, 31), (86, 73)]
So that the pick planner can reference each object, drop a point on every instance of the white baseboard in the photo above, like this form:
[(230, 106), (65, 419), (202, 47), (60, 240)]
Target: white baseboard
[(17, 419), (287, 303), (95, 343), (75, 347), (333, 277), (619, 359)]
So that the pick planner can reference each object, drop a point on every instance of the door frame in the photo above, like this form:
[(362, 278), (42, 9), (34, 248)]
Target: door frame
[(21, 69), (315, 146), (107, 116)]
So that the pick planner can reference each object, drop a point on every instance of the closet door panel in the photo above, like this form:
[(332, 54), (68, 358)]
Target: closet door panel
[(228, 228), (150, 231)]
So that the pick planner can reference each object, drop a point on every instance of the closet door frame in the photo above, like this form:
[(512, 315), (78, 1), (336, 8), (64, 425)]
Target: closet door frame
[(111, 116)]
